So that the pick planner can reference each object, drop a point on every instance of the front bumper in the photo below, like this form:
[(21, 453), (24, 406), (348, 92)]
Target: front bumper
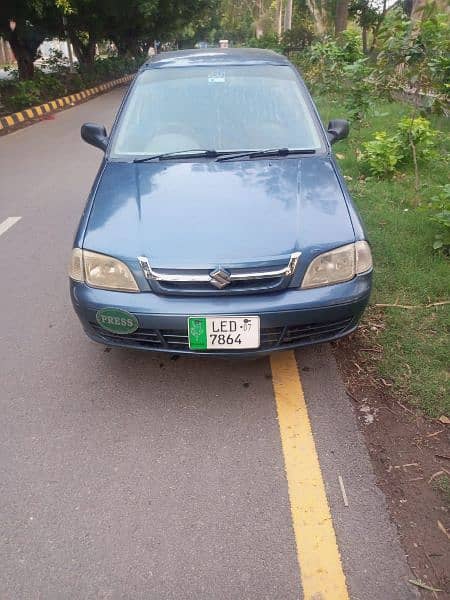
[(288, 319)]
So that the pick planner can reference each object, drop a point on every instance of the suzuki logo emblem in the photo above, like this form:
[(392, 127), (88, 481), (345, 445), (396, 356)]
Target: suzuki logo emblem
[(220, 278)]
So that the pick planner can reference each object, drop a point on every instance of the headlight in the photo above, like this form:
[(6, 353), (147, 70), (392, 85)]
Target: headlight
[(338, 265), (101, 271)]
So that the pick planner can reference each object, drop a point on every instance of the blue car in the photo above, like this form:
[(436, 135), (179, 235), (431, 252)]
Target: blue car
[(218, 223)]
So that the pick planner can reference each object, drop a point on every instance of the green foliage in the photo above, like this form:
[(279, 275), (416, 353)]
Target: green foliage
[(19, 94), (359, 89), (105, 69), (50, 85), (297, 38), (417, 131), (382, 155), (324, 63), (438, 209), (350, 44), (366, 13), (25, 93), (442, 486), (407, 271), (414, 55), (321, 65), (269, 40)]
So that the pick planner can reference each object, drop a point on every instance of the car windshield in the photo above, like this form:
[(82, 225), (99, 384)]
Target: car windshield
[(223, 109)]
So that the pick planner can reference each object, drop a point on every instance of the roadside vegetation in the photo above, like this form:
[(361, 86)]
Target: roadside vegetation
[(54, 79), (109, 40), (409, 272), (396, 166)]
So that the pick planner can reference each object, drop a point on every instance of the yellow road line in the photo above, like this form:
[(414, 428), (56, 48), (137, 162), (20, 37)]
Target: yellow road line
[(318, 555)]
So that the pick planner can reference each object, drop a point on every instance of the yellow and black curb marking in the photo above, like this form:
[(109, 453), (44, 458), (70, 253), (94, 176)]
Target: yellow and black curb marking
[(36, 112)]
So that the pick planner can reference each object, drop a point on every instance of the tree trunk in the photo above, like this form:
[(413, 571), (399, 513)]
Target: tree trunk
[(259, 30), (279, 17), (84, 52), (3, 59), (417, 9), (341, 18), (364, 40), (25, 58), (288, 16), (319, 16), (127, 46)]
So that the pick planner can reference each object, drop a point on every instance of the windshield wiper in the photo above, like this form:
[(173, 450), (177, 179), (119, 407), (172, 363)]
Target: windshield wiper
[(193, 153), (267, 152)]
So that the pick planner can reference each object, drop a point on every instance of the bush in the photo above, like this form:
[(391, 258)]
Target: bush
[(384, 154), (351, 45), (323, 63), (50, 85), (57, 80), (414, 56), (438, 209), (24, 94), (297, 38), (269, 41), (418, 131), (359, 89)]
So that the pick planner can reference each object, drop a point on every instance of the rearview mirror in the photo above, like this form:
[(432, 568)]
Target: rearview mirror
[(337, 130), (95, 135)]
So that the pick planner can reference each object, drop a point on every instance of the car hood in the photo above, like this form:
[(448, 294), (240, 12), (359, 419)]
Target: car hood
[(200, 214)]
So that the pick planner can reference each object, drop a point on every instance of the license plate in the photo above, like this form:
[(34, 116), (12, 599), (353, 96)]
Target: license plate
[(223, 333)]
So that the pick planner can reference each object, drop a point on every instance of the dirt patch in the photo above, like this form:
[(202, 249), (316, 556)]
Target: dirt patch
[(410, 454)]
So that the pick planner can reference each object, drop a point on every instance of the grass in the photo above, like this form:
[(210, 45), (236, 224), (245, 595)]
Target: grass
[(407, 270), (442, 485)]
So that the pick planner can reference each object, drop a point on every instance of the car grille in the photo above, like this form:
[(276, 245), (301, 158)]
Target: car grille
[(206, 289), (270, 276), (275, 337)]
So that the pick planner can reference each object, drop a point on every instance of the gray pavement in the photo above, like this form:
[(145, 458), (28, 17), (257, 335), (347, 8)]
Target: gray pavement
[(124, 475)]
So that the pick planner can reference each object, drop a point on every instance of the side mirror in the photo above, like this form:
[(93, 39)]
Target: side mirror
[(337, 130), (95, 135)]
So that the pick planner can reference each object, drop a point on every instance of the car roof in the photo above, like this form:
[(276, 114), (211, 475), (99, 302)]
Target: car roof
[(216, 56)]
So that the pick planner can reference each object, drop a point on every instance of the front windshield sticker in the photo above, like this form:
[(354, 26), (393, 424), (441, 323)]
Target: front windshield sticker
[(217, 77)]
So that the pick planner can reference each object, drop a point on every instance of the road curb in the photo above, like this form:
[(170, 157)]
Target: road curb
[(29, 115)]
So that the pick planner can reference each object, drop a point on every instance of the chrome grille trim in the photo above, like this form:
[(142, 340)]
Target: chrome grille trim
[(151, 274)]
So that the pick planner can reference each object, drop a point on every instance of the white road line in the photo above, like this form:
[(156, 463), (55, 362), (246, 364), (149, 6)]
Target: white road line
[(7, 223)]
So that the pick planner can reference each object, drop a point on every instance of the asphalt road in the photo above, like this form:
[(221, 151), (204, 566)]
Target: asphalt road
[(124, 475)]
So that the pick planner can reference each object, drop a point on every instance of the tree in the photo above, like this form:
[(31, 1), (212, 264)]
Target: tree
[(288, 16), (419, 6), (369, 15), (132, 25), (242, 18), (319, 13), (341, 16), (25, 24)]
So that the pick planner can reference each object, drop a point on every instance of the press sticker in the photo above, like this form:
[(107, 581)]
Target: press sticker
[(116, 320), (217, 77)]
